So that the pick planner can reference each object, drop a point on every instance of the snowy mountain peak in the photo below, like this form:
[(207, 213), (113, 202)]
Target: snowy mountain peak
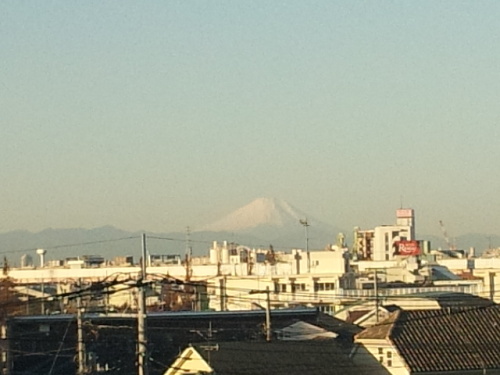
[(270, 212)]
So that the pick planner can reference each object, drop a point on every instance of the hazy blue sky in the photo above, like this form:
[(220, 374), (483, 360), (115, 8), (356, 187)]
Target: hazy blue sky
[(157, 115)]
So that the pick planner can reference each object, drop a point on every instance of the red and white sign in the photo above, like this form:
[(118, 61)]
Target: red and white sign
[(404, 213), (407, 248)]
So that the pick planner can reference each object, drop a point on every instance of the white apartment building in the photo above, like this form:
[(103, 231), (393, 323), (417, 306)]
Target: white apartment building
[(383, 242)]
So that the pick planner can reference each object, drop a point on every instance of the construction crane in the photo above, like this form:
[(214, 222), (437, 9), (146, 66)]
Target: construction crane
[(445, 235)]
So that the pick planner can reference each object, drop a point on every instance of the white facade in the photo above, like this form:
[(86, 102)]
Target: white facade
[(486, 270), (233, 293), (380, 243), (228, 283), (406, 217), (370, 352), (386, 238)]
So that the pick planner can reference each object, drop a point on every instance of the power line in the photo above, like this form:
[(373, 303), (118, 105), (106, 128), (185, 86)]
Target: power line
[(254, 245), (69, 245), (102, 287), (60, 347)]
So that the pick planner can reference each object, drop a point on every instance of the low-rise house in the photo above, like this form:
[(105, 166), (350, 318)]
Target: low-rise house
[(111, 338), (364, 314), (462, 340), (319, 357), (315, 347)]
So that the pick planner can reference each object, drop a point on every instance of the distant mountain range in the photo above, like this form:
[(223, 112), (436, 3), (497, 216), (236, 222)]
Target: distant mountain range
[(263, 222)]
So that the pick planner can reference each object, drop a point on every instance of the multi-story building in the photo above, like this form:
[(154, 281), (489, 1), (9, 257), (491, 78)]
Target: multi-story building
[(387, 241)]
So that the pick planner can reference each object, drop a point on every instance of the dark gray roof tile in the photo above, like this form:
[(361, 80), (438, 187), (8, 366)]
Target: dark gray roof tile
[(321, 357), (456, 339)]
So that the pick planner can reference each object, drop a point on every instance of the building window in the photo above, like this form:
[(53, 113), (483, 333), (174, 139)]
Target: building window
[(300, 287), (283, 287), (389, 354), (381, 359), (380, 350), (389, 363), (324, 286), (276, 286)]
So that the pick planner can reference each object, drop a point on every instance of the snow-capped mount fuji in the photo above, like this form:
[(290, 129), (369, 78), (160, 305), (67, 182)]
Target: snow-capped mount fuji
[(262, 211), (275, 220)]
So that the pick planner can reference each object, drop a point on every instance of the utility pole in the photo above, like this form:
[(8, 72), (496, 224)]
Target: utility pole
[(375, 287), (306, 225), (268, 311), (142, 352), (222, 292), (189, 248), (268, 315), (79, 324), (492, 286), (41, 253), (188, 255)]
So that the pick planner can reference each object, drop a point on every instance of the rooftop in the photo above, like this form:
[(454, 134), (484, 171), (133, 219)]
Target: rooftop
[(449, 339), (322, 357)]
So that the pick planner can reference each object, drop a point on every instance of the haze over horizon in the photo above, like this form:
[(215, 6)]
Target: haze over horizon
[(159, 116)]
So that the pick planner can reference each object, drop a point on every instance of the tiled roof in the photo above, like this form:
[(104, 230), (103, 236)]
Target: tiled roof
[(380, 331), (280, 358), (448, 339)]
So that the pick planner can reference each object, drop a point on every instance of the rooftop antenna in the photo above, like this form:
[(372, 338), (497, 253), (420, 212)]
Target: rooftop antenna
[(209, 347)]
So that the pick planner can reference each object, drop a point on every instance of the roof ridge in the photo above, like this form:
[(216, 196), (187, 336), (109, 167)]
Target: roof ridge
[(393, 323), (381, 330)]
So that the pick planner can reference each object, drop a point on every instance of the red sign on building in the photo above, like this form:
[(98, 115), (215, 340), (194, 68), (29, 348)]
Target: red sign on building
[(407, 248)]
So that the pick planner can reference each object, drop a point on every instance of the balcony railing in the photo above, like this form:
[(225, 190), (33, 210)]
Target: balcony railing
[(338, 297), (473, 289)]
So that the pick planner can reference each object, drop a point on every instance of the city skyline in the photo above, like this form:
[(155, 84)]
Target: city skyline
[(165, 115)]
